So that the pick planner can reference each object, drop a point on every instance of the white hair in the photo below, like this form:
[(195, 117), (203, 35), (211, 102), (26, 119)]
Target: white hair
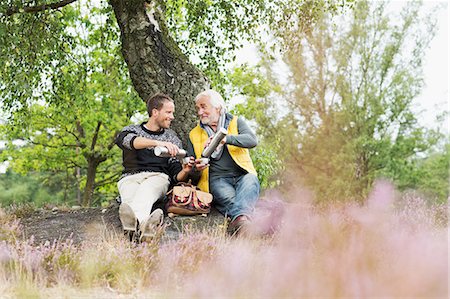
[(214, 97)]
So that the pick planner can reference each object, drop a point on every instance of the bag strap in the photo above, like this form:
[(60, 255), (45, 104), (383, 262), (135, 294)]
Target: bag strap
[(182, 184), (196, 199)]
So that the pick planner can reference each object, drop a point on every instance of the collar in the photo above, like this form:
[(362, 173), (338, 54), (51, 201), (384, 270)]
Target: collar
[(150, 131)]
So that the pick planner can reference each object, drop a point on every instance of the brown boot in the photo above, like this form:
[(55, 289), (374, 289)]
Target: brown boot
[(239, 226)]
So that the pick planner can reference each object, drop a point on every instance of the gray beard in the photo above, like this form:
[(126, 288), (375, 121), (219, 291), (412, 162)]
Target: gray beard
[(206, 123)]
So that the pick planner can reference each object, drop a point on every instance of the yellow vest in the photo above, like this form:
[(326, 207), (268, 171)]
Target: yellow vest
[(241, 156)]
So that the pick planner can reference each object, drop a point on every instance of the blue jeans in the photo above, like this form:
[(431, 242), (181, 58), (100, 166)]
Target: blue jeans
[(235, 196)]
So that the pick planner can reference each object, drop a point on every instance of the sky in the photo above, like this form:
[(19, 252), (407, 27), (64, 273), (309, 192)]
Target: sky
[(434, 98)]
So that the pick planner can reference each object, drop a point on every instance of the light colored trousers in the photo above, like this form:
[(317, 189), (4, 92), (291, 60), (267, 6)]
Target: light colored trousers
[(140, 191)]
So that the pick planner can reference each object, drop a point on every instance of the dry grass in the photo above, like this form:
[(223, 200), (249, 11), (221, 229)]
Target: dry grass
[(391, 247)]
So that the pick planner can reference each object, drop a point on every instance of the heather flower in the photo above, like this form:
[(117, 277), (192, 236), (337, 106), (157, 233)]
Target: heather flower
[(395, 245)]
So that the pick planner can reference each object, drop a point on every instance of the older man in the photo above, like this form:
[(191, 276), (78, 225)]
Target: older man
[(146, 177), (230, 175)]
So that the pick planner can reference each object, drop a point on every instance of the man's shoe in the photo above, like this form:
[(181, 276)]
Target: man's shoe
[(129, 220), (127, 217), (148, 229), (239, 226)]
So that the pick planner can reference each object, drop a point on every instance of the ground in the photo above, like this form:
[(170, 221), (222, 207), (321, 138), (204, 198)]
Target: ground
[(80, 224)]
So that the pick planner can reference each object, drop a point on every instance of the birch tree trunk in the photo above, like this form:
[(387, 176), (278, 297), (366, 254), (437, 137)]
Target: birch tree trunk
[(155, 62)]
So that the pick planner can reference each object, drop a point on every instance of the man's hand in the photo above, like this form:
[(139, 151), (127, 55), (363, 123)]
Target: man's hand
[(201, 164), (208, 141), (173, 149), (187, 165), (223, 141)]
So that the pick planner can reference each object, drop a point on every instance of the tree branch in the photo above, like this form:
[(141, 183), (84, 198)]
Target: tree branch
[(108, 180), (94, 138), (32, 9), (113, 141), (80, 128)]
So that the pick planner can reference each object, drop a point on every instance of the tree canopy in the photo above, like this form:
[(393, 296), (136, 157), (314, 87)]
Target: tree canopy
[(347, 100)]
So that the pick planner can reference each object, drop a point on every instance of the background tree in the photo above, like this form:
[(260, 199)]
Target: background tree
[(348, 98), (433, 175), (257, 90), (35, 188), (88, 96)]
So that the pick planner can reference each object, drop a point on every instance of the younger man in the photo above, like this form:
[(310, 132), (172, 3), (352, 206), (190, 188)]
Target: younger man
[(147, 177)]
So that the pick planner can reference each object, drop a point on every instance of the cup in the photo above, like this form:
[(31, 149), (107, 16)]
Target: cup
[(186, 160), (204, 161)]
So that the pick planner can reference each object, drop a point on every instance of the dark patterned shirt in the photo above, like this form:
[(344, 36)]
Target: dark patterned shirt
[(145, 160)]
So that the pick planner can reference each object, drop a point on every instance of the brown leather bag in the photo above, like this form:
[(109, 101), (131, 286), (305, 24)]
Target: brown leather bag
[(186, 199)]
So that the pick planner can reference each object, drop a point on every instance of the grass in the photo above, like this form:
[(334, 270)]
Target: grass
[(393, 246)]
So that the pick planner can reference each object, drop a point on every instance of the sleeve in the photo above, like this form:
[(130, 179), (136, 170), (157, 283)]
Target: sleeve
[(125, 139), (174, 168), (245, 138), (194, 175)]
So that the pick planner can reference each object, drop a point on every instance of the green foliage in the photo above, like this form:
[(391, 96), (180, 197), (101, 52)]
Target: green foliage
[(256, 89), (346, 101), (211, 31), (35, 188), (85, 98), (267, 165), (430, 175), (434, 175), (30, 43)]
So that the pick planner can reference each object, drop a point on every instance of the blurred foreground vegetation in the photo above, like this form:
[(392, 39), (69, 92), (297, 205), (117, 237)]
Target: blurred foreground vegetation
[(394, 245)]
